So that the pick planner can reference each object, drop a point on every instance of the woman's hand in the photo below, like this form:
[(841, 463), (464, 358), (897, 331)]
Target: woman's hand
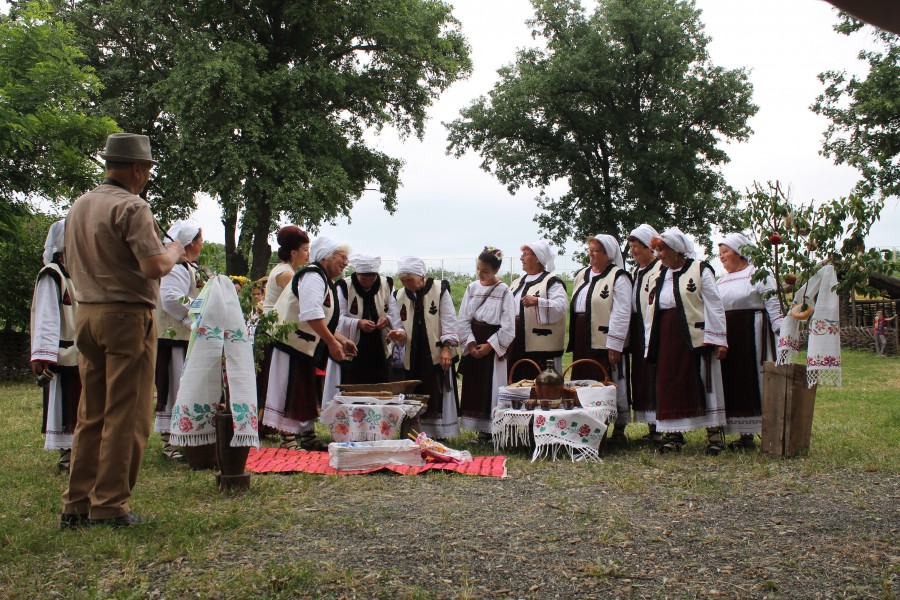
[(349, 347), (366, 325), (480, 350), (396, 335), (446, 358), (336, 350), (382, 323), (721, 352), (529, 301), (614, 358)]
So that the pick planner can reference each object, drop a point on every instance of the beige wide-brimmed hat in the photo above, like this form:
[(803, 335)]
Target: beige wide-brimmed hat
[(128, 148)]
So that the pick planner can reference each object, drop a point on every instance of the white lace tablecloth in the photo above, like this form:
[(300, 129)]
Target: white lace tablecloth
[(579, 431), (360, 421)]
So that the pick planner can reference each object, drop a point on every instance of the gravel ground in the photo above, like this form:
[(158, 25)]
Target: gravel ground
[(634, 526)]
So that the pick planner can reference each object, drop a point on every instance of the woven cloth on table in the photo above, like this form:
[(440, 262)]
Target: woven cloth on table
[(279, 460), (366, 422), (579, 431)]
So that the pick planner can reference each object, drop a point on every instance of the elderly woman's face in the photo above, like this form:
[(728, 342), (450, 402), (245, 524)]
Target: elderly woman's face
[(597, 255), (366, 280), (334, 264), (731, 260), (530, 263), (413, 283), (668, 257), (640, 253)]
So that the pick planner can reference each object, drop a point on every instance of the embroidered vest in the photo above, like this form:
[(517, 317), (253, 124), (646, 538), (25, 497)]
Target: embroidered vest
[(430, 296), (68, 353), (644, 287), (599, 303), (544, 337), (303, 339), (379, 294), (165, 321), (687, 285)]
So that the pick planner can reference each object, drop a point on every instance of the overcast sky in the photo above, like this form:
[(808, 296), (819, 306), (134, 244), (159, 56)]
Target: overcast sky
[(449, 208)]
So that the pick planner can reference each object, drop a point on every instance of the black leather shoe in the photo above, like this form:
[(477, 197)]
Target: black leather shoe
[(131, 519), (72, 521)]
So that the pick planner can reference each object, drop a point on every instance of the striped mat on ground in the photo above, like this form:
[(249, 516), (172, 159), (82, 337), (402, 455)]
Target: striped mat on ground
[(279, 460)]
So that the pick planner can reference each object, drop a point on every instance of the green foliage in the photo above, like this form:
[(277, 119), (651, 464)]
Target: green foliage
[(266, 106), (20, 260), (212, 256), (865, 128), (810, 234), (626, 107), (48, 133)]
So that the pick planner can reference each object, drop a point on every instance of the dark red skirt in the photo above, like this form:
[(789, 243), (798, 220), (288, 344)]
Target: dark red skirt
[(478, 376), (370, 364), (740, 369), (581, 348), (161, 378), (302, 399), (643, 374), (70, 386), (680, 393)]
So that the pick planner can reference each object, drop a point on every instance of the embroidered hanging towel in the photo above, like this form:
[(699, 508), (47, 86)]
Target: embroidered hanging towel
[(823, 355), (219, 360), (823, 360)]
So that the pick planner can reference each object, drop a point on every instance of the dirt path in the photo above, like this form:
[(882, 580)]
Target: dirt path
[(631, 527)]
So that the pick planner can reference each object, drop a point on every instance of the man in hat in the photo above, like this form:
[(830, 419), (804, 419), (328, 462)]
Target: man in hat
[(115, 258)]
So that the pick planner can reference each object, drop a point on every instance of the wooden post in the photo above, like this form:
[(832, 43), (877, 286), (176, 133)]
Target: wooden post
[(787, 410)]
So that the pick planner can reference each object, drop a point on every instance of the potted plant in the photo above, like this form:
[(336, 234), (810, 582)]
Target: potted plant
[(797, 244)]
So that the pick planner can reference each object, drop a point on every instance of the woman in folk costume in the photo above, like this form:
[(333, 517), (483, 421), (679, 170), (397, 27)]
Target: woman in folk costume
[(293, 253), (541, 305), (753, 317), (428, 316), (487, 328), (686, 341), (173, 328), (599, 316), (369, 317), (310, 301), (54, 357), (642, 382)]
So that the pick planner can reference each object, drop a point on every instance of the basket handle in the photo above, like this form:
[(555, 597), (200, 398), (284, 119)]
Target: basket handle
[(605, 379), (516, 364)]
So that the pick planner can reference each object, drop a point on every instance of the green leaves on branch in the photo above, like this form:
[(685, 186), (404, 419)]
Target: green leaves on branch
[(864, 132), (793, 240), (49, 131), (623, 105)]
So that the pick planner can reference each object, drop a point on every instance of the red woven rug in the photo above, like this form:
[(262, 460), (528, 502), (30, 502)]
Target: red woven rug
[(277, 460)]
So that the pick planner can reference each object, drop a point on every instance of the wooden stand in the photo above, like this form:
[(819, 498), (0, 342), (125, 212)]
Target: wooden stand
[(787, 410)]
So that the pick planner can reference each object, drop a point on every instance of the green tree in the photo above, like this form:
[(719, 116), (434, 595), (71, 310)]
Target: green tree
[(864, 132), (626, 107), (48, 135), (265, 105), (20, 260)]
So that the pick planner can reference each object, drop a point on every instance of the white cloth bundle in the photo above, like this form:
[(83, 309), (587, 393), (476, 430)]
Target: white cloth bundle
[(220, 351), (823, 357)]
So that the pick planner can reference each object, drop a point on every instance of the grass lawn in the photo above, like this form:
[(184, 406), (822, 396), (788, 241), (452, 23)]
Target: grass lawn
[(203, 543)]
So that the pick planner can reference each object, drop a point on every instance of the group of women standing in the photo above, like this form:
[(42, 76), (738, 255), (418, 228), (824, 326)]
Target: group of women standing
[(684, 350)]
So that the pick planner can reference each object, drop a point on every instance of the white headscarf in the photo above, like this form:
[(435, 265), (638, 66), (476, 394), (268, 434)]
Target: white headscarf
[(736, 241), (183, 231), (544, 254), (675, 239), (365, 263), (612, 249), (55, 241), (410, 265), (644, 233), (322, 247)]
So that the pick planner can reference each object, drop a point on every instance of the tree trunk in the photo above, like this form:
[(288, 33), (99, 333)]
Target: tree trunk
[(261, 250), (235, 262)]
